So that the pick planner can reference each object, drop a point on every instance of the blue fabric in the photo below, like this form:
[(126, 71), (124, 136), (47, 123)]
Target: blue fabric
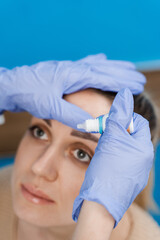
[(156, 193), (6, 161), (156, 190)]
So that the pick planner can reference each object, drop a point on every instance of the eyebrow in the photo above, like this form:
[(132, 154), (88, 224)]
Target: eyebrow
[(75, 133), (48, 122), (84, 135)]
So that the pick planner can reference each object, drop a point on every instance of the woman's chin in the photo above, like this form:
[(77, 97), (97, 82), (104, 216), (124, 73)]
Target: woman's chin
[(34, 214), (34, 217), (39, 216)]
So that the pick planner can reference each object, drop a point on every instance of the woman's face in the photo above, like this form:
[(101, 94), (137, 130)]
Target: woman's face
[(51, 162)]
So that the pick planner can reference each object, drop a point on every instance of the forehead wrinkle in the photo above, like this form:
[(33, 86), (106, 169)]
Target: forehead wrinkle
[(84, 135)]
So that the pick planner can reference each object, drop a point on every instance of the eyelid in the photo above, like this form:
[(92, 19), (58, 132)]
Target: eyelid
[(75, 145), (44, 128), (85, 153), (79, 145)]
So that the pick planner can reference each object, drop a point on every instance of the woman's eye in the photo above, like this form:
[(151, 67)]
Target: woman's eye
[(81, 155), (37, 132)]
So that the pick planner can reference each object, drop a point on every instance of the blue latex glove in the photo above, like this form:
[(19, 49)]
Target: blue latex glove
[(39, 88), (120, 167)]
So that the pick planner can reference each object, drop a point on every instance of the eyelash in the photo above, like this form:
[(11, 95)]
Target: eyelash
[(82, 151), (33, 128)]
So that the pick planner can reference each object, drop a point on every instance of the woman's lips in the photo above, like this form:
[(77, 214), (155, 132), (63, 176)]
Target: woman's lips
[(35, 196)]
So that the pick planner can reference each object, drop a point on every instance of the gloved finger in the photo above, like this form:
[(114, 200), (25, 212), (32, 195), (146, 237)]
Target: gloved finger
[(101, 59), (142, 137), (121, 110), (121, 70), (104, 77), (93, 58), (49, 107), (56, 108), (69, 113), (141, 128)]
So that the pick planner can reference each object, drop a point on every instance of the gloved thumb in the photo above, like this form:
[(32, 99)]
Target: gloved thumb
[(69, 114), (121, 110)]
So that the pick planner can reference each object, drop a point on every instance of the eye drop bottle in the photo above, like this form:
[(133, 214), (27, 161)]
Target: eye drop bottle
[(98, 125)]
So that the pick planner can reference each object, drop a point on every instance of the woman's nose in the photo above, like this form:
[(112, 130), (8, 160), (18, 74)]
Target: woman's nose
[(47, 164)]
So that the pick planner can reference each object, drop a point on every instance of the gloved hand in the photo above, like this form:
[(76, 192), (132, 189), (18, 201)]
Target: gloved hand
[(120, 167), (39, 88)]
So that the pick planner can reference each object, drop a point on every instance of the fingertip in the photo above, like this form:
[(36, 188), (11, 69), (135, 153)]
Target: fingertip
[(71, 114), (122, 107), (141, 127), (126, 93)]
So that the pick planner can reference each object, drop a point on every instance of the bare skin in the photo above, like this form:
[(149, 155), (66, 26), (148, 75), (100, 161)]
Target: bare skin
[(53, 158), (94, 222)]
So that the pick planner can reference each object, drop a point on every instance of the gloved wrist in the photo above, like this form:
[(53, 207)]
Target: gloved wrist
[(94, 193), (119, 169)]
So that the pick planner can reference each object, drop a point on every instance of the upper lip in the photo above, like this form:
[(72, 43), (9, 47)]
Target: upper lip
[(33, 190)]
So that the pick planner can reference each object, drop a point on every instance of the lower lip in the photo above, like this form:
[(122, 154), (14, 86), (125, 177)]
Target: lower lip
[(34, 199)]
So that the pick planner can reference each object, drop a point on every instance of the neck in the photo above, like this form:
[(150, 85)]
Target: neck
[(25, 231)]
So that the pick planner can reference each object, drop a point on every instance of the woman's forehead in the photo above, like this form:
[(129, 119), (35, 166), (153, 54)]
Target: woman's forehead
[(90, 101)]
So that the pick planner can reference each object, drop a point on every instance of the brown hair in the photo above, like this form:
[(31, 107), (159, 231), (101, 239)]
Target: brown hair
[(143, 105)]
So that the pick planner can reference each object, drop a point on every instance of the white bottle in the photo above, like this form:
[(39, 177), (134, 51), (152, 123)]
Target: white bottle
[(98, 125), (2, 119)]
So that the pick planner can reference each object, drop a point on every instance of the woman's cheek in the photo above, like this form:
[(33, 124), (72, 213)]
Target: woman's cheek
[(75, 179), (24, 155)]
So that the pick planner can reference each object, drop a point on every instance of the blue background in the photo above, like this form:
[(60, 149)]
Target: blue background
[(156, 190), (32, 31), (37, 30)]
